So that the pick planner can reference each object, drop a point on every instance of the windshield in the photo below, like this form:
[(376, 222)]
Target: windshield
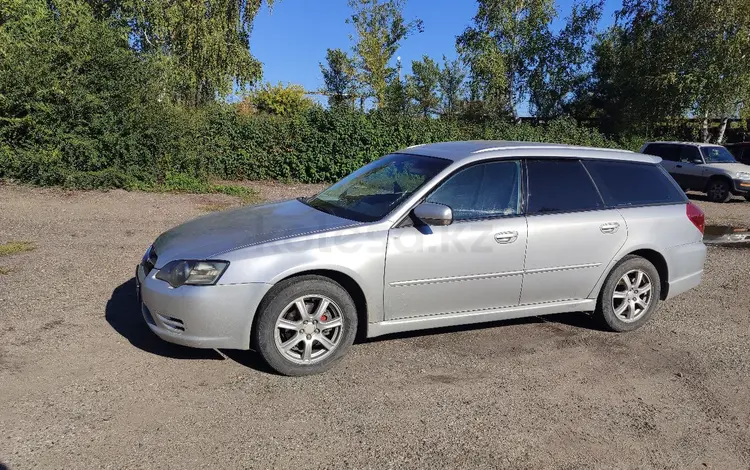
[(374, 190), (717, 155)]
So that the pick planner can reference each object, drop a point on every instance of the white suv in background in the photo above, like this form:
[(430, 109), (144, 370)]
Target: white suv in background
[(703, 167)]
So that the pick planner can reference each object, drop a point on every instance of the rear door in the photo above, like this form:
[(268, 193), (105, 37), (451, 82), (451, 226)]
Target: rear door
[(572, 236)]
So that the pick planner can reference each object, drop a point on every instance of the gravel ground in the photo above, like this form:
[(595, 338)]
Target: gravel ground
[(84, 384)]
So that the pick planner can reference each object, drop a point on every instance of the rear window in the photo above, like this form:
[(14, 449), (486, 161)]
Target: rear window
[(560, 186), (633, 184)]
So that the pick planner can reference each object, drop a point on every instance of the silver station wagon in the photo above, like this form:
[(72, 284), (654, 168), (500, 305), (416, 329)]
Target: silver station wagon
[(431, 236)]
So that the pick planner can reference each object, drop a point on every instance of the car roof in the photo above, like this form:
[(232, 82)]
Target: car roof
[(486, 149), (692, 144)]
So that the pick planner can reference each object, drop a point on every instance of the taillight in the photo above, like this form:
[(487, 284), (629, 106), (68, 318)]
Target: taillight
[(696, 216)]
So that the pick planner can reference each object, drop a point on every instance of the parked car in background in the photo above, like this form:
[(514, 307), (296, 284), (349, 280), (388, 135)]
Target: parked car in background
[(706, 168), (431, 236), (741, 151)]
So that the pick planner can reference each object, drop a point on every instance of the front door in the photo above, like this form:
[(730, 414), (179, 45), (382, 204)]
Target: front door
[(572, 237), (474, 264)]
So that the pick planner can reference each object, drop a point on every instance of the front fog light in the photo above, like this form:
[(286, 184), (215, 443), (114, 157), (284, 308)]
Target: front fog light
[(192, 272)]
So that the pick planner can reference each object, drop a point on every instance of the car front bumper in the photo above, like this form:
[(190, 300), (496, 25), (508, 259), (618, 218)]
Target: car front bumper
[(219, 316)]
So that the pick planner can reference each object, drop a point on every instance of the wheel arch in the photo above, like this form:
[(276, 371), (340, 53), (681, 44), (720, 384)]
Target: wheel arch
[(712, 178), (341, 278), (660, 263), (650, 254)]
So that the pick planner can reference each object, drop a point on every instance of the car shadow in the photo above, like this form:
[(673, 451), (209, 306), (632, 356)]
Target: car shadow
[(123, 313), (703, 198)]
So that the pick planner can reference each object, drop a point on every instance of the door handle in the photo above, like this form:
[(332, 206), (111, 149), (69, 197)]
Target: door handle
[(506, 237), (610, 227), (679, 166)]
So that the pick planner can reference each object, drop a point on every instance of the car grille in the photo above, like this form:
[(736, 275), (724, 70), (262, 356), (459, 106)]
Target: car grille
[(149, 261)]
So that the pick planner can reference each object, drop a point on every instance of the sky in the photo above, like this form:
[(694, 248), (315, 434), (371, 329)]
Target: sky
[(291, 39)]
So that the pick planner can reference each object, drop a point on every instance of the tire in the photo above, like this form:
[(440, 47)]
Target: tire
[(747, 196), (718, 190), (280, 306), (609, 307)]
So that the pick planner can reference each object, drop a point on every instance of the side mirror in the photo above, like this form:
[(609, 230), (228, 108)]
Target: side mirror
[(434, 214), (697, 161)]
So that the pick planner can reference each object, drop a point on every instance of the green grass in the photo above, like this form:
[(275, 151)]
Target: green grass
[(181, 183), (11, 248)]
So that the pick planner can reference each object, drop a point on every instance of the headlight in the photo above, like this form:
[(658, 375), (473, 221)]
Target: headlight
[(743, 175), (190, 272)]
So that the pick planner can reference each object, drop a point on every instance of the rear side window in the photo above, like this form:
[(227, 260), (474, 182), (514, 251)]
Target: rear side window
[(669, 152), (633, 184), (560, 186)]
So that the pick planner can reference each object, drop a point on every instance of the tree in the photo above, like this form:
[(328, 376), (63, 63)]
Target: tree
[(396, 98), (501, 47), (423, 85), (379, 28), (636, 82), (714, 66), (206, 42), (452, 91), (562, 73), (281, 100), (650, 69), (339, 77)]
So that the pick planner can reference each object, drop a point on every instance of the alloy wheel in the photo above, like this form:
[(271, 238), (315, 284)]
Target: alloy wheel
[(309, 329), (632, 295)]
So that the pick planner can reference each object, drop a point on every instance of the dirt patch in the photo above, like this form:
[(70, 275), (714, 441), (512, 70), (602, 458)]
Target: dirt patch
[(83, 382)]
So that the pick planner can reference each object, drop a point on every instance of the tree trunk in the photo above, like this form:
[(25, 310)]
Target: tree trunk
[(704, 128), (722, 130)]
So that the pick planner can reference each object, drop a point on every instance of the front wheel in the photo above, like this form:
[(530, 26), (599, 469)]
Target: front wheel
[(630, 294), (718, 191), (305, 325)]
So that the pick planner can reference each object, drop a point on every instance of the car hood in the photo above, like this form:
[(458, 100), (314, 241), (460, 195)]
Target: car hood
[(730, 167), (211, 235)]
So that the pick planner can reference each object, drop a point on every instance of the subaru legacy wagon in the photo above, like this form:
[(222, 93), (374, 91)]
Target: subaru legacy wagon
[(431, 236)]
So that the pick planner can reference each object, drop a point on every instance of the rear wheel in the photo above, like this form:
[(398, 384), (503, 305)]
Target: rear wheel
[(718, 191), (630, 294), (305, 325)]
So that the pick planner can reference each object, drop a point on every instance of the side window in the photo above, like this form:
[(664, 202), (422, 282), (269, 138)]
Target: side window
[(482, 191), (654, 149), (665, 151), (630, 184), (560, 186), (690, 154)]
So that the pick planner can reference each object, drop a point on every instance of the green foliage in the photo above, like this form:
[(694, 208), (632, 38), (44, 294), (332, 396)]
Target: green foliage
[(423, 85), (505, 42), (280, 100), (452, 92), (397, 99), (562, 72), (339, 76), (206, 44), (379, 28)]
